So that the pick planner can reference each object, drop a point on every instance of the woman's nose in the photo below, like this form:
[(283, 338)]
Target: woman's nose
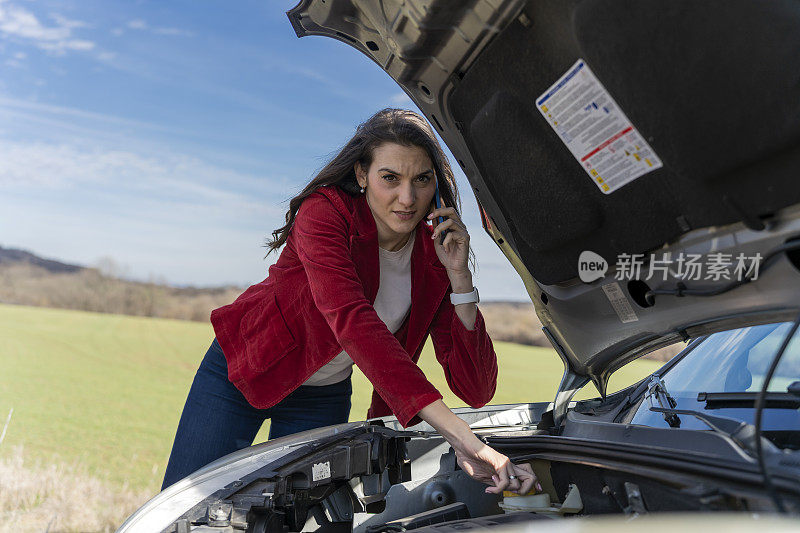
[(407, 195)]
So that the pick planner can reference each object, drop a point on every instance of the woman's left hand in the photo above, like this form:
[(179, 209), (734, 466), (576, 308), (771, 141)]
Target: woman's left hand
[(453, 253)]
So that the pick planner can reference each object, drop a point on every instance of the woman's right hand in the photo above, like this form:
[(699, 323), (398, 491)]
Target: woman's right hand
[(485, 464)]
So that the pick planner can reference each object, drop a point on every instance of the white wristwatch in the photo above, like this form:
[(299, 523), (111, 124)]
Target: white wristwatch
[(465, 297)]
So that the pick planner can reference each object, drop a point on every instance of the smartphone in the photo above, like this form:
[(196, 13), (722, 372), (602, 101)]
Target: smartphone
[(437, 201)]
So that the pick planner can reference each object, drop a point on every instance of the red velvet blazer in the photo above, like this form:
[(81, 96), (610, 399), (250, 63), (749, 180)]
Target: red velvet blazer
[(318, 300)]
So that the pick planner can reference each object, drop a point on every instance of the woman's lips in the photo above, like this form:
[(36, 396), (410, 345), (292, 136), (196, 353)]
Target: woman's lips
[(405, 215)]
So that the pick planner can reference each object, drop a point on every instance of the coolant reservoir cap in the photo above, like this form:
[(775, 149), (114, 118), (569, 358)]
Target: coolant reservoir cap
[(509, 494), (529, 502)]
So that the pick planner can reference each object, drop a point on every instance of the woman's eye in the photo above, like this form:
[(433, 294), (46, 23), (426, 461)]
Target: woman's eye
[(389, 177), (424, 179)]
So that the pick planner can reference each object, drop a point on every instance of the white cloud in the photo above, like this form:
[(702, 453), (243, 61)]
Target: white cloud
[(42, 109), (87, 128), (171, 215), (19, 23), (183, 179), (68, 23), (173, 31), (139, 24), (62, 46)]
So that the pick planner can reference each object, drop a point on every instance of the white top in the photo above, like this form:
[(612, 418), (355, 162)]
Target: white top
[(392, 305)]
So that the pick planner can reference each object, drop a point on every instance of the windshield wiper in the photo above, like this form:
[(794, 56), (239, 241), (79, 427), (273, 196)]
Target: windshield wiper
[(772, 400), (666, 403), (742, 433)]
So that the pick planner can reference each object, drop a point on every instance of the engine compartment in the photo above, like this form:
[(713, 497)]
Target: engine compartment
[(380, 480)]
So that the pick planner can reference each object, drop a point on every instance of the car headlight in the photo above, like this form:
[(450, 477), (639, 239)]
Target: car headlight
[(167, 506)]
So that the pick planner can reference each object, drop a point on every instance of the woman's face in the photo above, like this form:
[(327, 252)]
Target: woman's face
[(399, 187)]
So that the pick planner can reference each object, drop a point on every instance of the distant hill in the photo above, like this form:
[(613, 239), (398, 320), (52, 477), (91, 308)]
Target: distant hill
[(12, 255), (27, 279)]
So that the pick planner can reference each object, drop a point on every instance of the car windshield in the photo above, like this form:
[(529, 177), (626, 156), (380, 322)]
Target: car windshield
[(734, 361)]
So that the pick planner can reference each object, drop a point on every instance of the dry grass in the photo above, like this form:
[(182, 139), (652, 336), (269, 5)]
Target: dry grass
[(666, 353), (513, 322), (57, 497), (91, 290)]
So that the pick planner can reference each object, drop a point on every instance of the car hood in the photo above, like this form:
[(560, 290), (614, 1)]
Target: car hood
[(595, 131)]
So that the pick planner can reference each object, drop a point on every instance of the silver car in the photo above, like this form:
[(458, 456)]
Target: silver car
[(637, 164)]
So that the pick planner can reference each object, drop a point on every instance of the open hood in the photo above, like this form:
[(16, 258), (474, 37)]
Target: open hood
[(594, 130)]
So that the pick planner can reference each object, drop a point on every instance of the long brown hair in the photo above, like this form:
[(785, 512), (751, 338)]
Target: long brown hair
[(398, 126)]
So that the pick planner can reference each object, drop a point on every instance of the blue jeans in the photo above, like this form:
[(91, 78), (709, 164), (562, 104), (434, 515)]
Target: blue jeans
[(218, 420)]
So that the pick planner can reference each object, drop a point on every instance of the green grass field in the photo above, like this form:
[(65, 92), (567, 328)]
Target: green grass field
[(106, 391)]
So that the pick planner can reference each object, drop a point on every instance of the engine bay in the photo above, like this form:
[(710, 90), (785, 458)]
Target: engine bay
[(379, 480)]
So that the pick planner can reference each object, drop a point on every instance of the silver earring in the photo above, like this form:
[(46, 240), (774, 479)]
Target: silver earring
[(362, 190)]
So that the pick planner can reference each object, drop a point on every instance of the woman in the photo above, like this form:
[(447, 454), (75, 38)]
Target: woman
[(362, 278)]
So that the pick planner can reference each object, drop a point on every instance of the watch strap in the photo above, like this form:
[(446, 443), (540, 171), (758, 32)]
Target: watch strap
[(465, 297)]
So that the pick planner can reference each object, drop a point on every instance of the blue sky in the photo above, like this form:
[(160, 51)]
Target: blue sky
[(169, 135)]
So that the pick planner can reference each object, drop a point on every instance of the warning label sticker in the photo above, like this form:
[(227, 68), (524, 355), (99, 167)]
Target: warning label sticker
[(619, 302), (321, 471), (596, 131)]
